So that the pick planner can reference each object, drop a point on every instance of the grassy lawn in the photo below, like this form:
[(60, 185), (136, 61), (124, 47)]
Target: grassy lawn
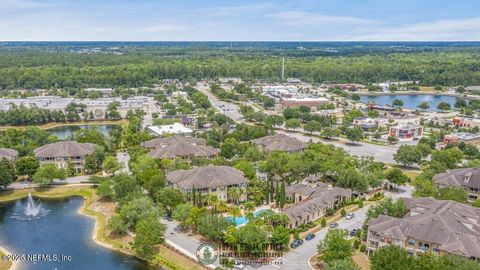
[(168, 258), (361, 260), (412, 173)]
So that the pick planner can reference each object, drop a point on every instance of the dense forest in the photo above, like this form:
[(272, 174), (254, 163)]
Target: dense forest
[(59, 67)]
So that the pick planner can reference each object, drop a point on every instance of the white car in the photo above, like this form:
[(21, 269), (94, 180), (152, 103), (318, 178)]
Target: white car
[(350, 216)]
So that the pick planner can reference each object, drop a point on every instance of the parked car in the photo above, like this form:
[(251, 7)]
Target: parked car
[(353, 232), (310, 237), (239, 265), (350, 216), (333, 225), (296, 243)]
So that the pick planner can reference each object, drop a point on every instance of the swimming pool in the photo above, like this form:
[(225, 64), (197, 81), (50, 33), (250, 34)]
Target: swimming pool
[(243, 219)]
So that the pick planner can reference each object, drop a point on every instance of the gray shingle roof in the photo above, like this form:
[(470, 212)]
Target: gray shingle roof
[(280, 142), (455, 227), (8, 154), (467, 177), (205, 177), (64, 149), (176, 146)]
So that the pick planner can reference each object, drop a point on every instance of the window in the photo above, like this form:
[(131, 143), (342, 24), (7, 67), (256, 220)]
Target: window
[(213, 189), (411, 242)]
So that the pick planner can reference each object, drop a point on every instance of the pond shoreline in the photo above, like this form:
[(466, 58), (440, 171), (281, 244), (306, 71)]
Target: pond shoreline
[(88, 200), (419, 93), (67, 124)]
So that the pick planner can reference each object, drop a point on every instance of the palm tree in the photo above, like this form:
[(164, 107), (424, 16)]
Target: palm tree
[(212, 200), (221, 206), (234, 194), (234, 212), (248, 209)]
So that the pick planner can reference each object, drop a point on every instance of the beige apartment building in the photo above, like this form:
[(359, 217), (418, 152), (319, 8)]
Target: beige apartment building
[(430, 226), (216, 180), (467, 178), (60, 153)]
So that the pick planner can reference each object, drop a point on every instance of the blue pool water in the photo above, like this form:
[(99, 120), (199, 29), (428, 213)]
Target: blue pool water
[(243, 219)]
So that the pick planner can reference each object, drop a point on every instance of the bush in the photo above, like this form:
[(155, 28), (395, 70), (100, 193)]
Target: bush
[(363, 248), (356, 244), (330, 212), (360, 204), (310, 225), (343, 212), (323, 223), (295, 235)]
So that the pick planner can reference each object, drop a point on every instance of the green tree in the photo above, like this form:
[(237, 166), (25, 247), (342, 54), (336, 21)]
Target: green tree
[(169, 198), (293, 123), (111, 165), (396, 177), (408, 155), (443, 106), (137, 209), (104, 189), (453, 193), (346, 264), (397, 103), (149, 232), (247, 168), (124, 187), (335, 246), (354, 134), (47, 173), (392, 257), (424, 105), (330, 132), (27, 165), (251, 239), (280, 237), (212, 226), (229, 148), (7, 173), (181, 214), (116, 225), (312, 126)]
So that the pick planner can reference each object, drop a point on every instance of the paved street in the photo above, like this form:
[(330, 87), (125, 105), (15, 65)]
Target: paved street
[(297, 259), (227, 108), (379, 152)]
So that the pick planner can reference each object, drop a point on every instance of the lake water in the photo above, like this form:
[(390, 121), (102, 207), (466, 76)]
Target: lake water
[(64, 132), (62, 231), (410, 101)]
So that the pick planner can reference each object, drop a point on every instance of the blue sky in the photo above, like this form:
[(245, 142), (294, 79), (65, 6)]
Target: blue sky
[(302, 20)]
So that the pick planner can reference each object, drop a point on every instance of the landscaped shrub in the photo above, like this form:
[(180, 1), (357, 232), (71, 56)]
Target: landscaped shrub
[(343, 212), (363, 248), (323, 223)]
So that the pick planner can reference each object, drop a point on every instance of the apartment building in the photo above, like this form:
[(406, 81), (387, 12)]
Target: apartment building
[(180, 147), (61, 153), (408, 131), (8, 154), (311, 199), (431, 225), (280, 142), (467, 178), (216, 180)]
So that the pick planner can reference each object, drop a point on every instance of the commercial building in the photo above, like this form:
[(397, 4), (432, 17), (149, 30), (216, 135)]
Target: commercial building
[(304, 101), (175, 128), (8, 154), (440, 227), (466, 122), (466, 178), (61, 153), (216, 180), (179, 147), (311, 199), (408, 131), (367, 123), (468, 138), (280, 142)]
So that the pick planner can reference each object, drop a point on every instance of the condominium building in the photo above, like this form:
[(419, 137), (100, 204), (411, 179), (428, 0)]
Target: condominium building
[(61, 153), (216, 180), (180, 147), (430, 226), (467, 178), (409, 131), (311, 199), (8, 154), (280, 142)]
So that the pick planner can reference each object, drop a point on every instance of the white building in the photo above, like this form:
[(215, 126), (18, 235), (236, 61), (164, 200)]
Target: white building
[(176, 128)]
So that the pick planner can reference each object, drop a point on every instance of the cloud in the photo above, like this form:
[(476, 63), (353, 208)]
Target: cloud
[(164, 28), (235, 10), (442, 30), (302, 18), (14, 5)]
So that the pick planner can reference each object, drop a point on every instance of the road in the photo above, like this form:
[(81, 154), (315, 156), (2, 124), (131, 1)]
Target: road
[(381, 153), (298, 258), (123, 158), (229, 109), (67, 181), (181, 241)]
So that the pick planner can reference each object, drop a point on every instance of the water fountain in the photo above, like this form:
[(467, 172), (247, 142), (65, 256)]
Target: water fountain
[(32, 210)]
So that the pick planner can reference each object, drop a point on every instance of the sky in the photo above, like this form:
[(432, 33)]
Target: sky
[(235, 20)]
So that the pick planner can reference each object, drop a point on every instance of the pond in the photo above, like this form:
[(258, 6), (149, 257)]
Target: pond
[(411, 101), (57, 228), (64, 132)]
